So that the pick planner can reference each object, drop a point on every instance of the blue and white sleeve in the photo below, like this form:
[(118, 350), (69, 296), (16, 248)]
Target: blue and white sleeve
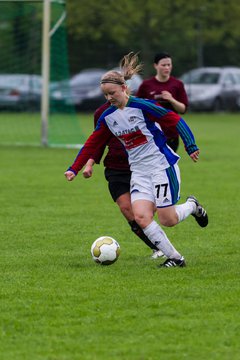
[(186, 136)]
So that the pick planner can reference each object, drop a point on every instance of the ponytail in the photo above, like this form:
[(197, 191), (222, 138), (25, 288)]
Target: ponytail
[(129, 66)]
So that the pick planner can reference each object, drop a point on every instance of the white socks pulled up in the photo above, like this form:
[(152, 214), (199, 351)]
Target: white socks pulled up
[(158, 237)]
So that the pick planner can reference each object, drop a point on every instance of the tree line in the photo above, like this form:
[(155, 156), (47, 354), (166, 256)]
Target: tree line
[(196, 33), (98, 33)]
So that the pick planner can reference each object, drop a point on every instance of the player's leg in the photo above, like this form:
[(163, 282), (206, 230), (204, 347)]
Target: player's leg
[(119, 186), (172, 215), (142, 210), (125, 206), (123, 202), (143, 205)]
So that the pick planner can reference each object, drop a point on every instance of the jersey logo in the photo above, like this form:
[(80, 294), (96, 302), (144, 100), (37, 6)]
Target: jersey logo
[(115, 123), (133, 140), (132, 119), (134, 190)]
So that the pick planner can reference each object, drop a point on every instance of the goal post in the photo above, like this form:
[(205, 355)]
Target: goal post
[(33, 65), (45, 70)]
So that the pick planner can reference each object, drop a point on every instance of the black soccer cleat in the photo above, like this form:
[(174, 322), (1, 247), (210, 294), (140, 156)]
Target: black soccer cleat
[(173, 263), (200, 214)]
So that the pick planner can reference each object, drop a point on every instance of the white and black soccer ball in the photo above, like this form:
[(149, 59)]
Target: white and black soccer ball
[(105, 250)]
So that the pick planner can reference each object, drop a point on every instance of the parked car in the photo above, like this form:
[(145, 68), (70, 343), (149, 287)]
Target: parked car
[(213, 88), (83, 90), (20, 91)]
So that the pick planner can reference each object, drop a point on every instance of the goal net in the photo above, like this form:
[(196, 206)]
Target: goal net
[(21, 82)]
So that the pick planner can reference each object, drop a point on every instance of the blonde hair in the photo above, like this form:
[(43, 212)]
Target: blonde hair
[(129, 66)]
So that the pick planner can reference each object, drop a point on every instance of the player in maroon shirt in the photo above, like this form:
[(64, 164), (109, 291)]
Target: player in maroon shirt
[(118, 175), (168, 91)]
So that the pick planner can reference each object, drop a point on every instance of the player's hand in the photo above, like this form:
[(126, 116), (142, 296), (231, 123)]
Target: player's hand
[(69, 175), (195, 155), (88, 171), (165, 95)]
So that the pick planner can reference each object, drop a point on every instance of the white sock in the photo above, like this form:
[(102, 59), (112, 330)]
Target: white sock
[(158, 237), (184, 210)]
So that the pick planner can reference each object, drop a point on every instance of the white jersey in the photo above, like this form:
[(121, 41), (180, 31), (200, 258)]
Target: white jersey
[(129, 126), (137, 126)]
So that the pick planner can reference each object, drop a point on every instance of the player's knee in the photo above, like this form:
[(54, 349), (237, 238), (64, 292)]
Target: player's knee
[(143, 220)]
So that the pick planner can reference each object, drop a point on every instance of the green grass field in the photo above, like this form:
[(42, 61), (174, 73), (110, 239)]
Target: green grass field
[(57, 304)]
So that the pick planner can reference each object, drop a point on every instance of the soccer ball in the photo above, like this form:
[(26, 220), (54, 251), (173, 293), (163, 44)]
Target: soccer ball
[(105, 250)]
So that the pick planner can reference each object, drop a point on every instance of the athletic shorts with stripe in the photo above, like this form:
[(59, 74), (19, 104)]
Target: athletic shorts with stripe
[(162, 187)]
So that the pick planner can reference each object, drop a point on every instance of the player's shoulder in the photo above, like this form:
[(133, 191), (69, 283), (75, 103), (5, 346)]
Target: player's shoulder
[(137, 100), (149, 81), (140, 103), (175, 80)]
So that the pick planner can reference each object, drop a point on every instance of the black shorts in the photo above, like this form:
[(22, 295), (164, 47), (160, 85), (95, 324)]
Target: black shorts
[(118, 182)]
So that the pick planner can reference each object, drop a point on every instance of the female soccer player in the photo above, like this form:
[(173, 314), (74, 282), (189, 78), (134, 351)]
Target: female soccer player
[(155, 179), (118, 175)]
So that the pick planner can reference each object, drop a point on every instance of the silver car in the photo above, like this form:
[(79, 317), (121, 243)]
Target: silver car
[(20, 92), (213, 88)]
